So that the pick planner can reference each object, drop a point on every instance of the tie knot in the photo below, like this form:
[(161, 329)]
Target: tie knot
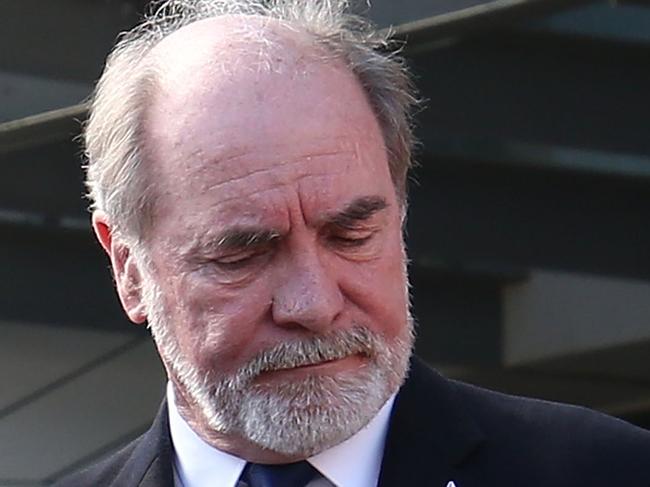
[(297, 474)]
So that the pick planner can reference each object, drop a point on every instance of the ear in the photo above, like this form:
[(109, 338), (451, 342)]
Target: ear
[(127, 274)]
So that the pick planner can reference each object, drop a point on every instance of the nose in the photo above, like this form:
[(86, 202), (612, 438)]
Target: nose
[(308, 294)]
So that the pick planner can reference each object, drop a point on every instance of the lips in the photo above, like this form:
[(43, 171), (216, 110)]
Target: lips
[(314, 364), (329, 367), (305, 364)]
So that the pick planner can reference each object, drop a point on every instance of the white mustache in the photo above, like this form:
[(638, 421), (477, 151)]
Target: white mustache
[(357, 340)]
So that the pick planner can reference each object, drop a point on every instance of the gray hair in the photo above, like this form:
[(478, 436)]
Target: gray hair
[(113, 135)]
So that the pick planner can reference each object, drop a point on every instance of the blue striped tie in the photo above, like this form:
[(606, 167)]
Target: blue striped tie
[(297, 474)]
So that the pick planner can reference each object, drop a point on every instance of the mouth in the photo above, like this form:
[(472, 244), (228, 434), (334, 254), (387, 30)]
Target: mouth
[(325, 367)]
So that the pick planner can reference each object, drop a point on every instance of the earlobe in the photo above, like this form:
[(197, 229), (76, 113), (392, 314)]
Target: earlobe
[(126, 271)]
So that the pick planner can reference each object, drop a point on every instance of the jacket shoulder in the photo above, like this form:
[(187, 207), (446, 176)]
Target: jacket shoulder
[(489, 438), (147, 460), (573, 440), (102, 473), (553, 419)]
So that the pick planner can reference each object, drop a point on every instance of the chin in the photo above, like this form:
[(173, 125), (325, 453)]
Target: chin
[(306, 417)]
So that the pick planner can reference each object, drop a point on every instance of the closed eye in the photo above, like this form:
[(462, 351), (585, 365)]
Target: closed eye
[(242, 260), (351, 241), (234, 262)]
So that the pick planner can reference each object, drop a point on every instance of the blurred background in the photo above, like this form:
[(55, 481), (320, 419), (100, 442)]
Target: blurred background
[(529, 226)]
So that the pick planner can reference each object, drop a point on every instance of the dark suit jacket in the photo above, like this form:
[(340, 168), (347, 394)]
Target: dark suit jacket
[(442, 430)]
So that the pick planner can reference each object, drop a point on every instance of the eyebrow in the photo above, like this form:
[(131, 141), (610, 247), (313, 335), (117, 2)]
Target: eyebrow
[(360, 210), (237, 238)]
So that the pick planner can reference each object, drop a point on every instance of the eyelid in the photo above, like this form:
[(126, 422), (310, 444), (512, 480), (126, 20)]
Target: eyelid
[(353, 238), (235, 267), (236, 255), (359, 228)]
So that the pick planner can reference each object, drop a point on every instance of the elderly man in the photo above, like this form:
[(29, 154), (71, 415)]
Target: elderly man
[(247, 164)]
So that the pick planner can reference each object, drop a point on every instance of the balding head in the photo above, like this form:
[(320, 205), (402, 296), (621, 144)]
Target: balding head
[(240, 33), (220, 53)]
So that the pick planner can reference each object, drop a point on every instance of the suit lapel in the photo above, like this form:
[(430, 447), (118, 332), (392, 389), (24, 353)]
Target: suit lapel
[(158, 474), (150, 464), (429, 436)]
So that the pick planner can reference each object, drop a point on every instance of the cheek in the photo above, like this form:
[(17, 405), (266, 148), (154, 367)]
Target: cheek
[(379, 290), (218, 323)]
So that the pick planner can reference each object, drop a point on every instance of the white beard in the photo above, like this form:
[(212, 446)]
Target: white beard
[(300, 417)]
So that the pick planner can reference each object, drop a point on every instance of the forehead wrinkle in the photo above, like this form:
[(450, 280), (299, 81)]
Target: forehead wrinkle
[(240, 195), (194, 237), (282, 167), (272, 185)]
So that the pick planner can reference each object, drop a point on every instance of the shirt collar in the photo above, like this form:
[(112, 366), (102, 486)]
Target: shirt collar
[(356, 462)]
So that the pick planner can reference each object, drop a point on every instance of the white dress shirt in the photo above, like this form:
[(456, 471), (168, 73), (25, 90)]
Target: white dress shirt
[(354, 463)]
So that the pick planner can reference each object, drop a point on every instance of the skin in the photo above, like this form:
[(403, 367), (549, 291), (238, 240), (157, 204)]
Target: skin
[(305, 176)]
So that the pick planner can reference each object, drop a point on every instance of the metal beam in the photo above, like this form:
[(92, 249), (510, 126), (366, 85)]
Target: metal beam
[(36, 130), (642, 3), (472, 20), (537, 157)]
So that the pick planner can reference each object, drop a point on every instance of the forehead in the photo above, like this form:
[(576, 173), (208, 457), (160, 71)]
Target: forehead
[(230, 134)]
